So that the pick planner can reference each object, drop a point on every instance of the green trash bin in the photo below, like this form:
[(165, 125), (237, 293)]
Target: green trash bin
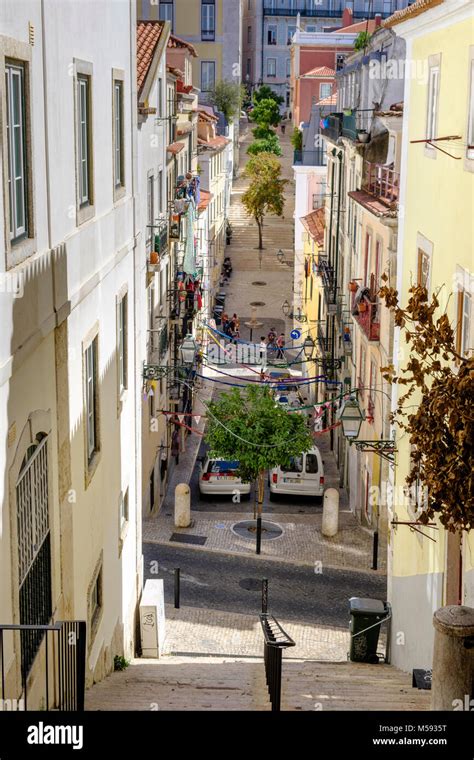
[(365, 613)]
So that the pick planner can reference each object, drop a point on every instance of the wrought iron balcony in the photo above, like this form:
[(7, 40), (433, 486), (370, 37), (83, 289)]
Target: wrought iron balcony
[(308, 9), (358, 120), (332, 126), (367, 315), (310, 157), (382, 182), (328, 277)]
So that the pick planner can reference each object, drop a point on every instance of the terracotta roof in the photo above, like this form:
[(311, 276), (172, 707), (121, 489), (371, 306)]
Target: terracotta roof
[(206, 115), (331, 100), (206, 198), (361, 26), (314, 224), (177, 42), (185, 129), (148, 35), (184, 88), (215, 142), (420, 6), (175, 148), (372, 204), (320, 71)]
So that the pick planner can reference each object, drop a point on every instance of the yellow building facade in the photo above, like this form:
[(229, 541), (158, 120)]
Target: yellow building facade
[(435, 248)]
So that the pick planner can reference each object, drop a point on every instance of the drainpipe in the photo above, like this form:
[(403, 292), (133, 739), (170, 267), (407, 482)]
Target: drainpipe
[(336, 272), (46, 126)]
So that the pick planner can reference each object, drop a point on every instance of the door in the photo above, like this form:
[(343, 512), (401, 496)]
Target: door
[(312, 473), (291, 475)]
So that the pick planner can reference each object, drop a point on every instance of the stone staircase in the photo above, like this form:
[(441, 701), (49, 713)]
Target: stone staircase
[(232, 683), (308, 685), (184, 683)]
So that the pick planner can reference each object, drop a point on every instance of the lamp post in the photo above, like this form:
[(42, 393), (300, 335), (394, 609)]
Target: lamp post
[(188, 350), (351, 416)]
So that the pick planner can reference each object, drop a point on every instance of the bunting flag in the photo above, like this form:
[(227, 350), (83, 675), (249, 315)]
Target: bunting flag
[(150, 392), (181, 417), (197, 417)]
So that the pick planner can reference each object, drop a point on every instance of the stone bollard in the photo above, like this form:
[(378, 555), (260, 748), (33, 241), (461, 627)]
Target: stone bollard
[(330, 512), (453, 662), (182, 506)]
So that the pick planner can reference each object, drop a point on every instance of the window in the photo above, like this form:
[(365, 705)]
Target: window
[(271, 67), (325, 89), (160, 192), (95, 599), (272, 34), (34, 547), (160, 98), (310, 28), (118, 134), (372, 387), (432, 113), (249, 34), (295, 465), (122, 342), (91, 397), (368, 251), (340, 60), (208, 20), (83, 131), (362, 371), (17, 181), (470, 126), (150, 208), (423, 270), (378, 266), (249, 68), (208, 75), (311, 464), (463, 327), (288, 67), (290, 33), (166, 11), (124, 509)]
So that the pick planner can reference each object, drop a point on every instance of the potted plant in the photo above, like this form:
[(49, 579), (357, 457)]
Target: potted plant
[(362, 135), (154, 257), (353, 286)]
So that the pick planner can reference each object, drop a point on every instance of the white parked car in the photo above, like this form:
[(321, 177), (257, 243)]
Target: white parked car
[(304, 476), (220, 477)]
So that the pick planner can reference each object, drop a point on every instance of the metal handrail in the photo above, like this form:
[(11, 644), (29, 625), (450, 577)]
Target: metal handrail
[(275, 641), (69, 657)]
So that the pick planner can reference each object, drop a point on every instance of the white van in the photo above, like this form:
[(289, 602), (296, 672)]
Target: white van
[(304, 476)]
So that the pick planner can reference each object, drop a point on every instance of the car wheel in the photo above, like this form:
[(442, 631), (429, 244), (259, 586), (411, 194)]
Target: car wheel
[(245, 497), (273, 496), (318, 499)]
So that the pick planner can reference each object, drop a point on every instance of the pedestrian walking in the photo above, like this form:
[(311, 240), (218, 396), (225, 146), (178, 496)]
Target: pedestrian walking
[(262, 350), (271, 338), (280, 346)]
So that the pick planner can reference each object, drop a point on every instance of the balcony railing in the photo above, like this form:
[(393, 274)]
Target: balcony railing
[(310, 157), (382, 182), (309, 10), (332, 126), (366, 314), (357, 121), (328, 276)]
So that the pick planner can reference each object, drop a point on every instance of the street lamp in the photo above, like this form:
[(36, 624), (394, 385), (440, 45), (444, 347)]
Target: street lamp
[(308, 347), (188, 350), (280, 256), (351, 417)]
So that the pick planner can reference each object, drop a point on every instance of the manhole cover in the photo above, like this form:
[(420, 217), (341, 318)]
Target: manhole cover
[(187, 538), (257, 303), (251, 584), (260, 283), (248, 529)]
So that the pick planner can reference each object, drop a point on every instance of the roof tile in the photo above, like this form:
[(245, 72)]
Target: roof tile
[(148, 36)]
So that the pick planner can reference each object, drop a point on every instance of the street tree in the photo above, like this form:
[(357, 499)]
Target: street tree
[(249, 426), (227, 97), (265, 93), (266, 113), (265, 192), (439, 384), (268, 144)]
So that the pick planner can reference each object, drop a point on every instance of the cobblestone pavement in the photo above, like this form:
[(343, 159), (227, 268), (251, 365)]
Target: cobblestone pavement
[(204, 631)]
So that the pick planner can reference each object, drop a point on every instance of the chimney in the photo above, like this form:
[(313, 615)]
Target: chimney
[(378, 20), (347, 19)]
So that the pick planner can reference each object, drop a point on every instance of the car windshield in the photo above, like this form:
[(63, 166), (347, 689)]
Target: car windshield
[(295, 465), (221, 465)]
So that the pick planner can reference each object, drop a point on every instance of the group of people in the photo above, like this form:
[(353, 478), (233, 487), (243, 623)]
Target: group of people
[(231, 327), (272, 342)]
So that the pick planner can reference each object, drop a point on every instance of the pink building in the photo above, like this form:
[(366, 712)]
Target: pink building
[(315, 58)]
